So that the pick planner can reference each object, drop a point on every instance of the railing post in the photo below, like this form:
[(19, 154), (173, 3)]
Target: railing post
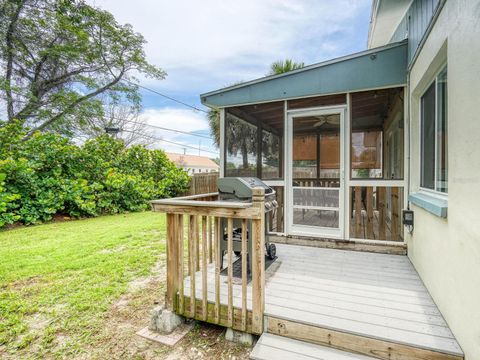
[(258, 261), (172, 261)]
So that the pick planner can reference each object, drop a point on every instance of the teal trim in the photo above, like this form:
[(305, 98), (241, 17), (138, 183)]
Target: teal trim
[(415, 23), (385, 66), (432, 204)]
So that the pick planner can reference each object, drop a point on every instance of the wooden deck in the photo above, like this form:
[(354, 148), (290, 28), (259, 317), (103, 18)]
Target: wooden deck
[(374, 304)]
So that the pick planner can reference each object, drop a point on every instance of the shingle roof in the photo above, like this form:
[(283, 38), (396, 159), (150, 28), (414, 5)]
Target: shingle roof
[(192, 161)]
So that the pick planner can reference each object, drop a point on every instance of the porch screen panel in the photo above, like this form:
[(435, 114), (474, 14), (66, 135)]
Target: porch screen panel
[(377, 135), (317, 218), (241, 147), (307, 196), (304, 156), (271, 156), (366, 154), (377, 155)]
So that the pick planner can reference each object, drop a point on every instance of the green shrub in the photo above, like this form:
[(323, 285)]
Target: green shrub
[(48, 174)]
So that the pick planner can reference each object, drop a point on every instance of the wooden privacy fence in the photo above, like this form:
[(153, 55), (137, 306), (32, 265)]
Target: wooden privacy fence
[(203, 183), (195, 287)]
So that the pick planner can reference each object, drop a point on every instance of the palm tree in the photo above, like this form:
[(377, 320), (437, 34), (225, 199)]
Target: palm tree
[(214, 124), (280, 67)]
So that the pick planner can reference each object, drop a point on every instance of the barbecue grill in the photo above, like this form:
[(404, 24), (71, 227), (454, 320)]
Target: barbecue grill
[(239, 189)]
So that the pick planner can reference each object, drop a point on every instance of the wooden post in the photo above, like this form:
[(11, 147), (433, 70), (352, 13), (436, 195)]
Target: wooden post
[(197, 246), (358, 212), (258, 262), (370, 234), (192, 240), (395, 219), (218, 235), (244, 274), (210, 250), (172, 261), (381, 213), (204, 269), (230, 270), (181, 298)]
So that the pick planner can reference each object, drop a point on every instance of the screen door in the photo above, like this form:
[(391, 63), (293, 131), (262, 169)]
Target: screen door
[(316, 173)]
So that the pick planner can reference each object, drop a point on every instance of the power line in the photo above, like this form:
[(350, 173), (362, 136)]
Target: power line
[(167, 129), (166, 96), (171, 142)]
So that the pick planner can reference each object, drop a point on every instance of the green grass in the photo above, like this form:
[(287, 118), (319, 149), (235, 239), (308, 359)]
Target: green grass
[(59, 280)]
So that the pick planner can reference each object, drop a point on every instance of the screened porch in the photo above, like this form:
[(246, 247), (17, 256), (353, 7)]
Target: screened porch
[(335, 161)]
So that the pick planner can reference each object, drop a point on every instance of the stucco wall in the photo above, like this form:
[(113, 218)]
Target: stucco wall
[(446, 252)]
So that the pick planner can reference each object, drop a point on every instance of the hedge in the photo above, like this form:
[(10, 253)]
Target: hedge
[(49, 174)]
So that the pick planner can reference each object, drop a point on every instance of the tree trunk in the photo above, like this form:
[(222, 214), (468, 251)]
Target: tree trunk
[(244, 154), (9, 70)]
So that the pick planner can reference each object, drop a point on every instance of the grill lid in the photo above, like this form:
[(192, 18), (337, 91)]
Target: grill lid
[(241, 187)]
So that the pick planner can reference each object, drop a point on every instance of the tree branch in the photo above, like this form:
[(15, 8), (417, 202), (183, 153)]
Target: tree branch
[(73, 104), (10, 49)]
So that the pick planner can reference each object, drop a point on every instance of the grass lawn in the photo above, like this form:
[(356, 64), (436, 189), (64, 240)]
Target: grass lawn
[(82, 289), (62, 278)]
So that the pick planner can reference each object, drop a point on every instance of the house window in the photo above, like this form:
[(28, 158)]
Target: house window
[(434, 136)]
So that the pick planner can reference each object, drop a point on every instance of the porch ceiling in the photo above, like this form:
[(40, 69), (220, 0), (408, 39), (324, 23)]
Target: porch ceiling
[(384, 66)]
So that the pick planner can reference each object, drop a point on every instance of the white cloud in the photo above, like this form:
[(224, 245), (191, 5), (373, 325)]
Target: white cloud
[(223, 41), (182, 120), (177, 119)]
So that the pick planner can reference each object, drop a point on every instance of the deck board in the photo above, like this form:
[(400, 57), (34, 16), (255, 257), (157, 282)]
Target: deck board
[(373, 295)]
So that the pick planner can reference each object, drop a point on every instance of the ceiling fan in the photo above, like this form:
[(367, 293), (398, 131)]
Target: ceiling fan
[(327, 119)]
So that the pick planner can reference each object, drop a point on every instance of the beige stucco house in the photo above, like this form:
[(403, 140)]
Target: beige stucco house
[(376, 151)]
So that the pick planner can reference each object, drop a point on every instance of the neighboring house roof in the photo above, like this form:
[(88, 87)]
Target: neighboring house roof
[(385, 66), (190, 161)]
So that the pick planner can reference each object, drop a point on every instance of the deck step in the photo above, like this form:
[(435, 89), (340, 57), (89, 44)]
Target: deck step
[(353, 342), (274, 347)]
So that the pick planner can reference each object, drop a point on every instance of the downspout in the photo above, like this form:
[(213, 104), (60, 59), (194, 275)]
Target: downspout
[(409, 138)]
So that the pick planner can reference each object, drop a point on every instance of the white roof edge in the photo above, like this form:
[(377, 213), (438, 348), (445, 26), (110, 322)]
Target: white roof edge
[(373, 20), (306, 68)]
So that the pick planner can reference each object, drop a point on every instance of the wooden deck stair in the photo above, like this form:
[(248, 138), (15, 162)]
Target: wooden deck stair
[(281, 348)]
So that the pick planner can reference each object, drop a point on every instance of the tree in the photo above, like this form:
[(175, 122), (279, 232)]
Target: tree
[(58, 57), (280, 67), (214, 124)]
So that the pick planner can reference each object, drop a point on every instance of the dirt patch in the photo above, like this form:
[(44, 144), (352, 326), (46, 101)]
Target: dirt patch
[(132, 313), (114, 250), (37, 322), (25, 283)]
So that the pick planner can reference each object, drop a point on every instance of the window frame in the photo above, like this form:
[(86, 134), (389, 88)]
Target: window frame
[(432, 192)]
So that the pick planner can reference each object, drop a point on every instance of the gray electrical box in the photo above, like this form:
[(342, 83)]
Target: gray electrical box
[(407, 217)]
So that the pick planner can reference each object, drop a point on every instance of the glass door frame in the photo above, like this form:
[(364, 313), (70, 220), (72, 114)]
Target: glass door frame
[(315, 231)]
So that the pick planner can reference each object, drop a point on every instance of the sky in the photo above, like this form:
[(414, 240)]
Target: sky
[(209, 44)]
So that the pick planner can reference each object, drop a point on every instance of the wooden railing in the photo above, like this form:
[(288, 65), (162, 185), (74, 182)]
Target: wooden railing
[(195, 287), (375, 212)]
